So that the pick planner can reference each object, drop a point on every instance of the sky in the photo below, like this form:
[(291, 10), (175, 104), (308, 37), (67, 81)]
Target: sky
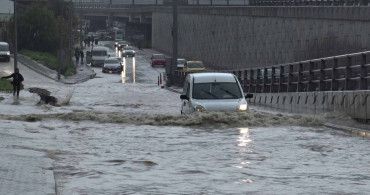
[(6, 6)]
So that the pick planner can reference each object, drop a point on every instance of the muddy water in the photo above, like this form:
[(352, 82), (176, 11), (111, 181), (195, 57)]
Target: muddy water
[(99, 157)]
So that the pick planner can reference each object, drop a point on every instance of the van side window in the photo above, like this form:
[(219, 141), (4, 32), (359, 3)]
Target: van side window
[(188, 90), (185, 88)]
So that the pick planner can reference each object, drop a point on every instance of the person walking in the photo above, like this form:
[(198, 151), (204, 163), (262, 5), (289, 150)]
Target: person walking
[(17, 80), (82, 57), (77, 55)]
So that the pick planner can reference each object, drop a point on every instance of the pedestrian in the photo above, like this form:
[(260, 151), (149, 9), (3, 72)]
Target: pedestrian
[(88, 41), (77, 55), (17, 80), (82, 56)]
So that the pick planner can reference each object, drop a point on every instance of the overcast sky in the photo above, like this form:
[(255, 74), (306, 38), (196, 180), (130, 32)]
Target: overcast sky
[(6, 6)]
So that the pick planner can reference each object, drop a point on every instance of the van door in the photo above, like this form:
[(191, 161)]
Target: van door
[(185, 103), (88, 57)]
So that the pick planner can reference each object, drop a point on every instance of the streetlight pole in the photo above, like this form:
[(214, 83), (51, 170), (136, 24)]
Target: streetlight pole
[(70, 34), (15, 37), (60, 41), (174, 36)]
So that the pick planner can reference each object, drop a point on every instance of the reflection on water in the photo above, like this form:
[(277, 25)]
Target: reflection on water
[(126, 70), (123, 74), (111, 158), (133, 70), (243, 138)]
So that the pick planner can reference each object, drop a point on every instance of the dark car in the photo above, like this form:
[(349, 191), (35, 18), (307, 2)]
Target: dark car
[(158, 59), (112, 65), (122, 44)]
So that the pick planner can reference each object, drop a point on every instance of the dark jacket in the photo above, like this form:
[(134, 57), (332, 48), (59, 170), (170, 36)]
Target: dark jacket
[(17, 78)]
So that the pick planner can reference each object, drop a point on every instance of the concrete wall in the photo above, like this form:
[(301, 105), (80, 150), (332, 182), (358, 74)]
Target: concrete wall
[(355, 103), (247, 37)]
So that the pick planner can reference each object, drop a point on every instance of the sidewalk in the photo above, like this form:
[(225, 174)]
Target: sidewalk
[(83, 72)]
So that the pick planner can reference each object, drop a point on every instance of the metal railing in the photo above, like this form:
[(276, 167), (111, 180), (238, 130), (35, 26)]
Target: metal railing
[(130, 3), (337, 73), (309, 2)]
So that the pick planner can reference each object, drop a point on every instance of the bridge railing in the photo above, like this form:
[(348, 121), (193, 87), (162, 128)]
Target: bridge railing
[(309, 2), (337, 73)]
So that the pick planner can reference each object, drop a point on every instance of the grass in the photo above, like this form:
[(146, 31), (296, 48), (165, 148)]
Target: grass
[(5, 86), (50, 61)]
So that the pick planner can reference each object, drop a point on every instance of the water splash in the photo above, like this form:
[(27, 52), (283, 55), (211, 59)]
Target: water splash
[(215, 119), (65, 100)]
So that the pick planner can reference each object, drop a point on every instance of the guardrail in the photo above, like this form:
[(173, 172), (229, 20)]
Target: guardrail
[(309, 2), (133, 3), (337, 73), (130, 3)]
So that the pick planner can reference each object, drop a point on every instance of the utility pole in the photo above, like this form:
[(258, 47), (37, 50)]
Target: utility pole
[(174, 37), (70, 34), (15, 37), (60, 41)]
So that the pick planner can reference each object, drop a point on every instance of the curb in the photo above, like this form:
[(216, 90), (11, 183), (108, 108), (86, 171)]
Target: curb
[(41, 69), (350, 130)]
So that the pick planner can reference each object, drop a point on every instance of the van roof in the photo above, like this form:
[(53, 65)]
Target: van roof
[(4, 43), (207, 77), (99, 48)]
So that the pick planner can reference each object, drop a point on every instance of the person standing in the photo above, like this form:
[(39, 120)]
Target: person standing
[(82, 56), (17, 80), (77, 55)]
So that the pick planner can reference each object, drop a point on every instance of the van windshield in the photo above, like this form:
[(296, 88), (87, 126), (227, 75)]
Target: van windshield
[(216, 91), (99, 53), (4, 48)]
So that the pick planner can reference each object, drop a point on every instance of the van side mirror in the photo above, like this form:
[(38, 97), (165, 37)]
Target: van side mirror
[(249, 95), (184, 97)]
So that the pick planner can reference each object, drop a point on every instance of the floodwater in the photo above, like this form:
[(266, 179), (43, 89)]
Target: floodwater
[(97, 157), (123, 134)]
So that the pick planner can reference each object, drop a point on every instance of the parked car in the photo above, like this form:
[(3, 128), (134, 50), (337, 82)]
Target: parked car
[(209, 91), (180, 63), (128, 51), (194, 66), (158, 59), (112, 65), (4, 51)]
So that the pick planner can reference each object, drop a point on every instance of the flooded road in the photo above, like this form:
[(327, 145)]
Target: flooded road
[(123, 134), (110, 158)]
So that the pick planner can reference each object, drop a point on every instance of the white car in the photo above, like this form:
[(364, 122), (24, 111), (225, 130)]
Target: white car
[(209, 91), (128, 51), (180, 63)]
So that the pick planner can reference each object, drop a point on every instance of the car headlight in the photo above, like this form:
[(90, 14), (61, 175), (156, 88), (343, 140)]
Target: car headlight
[(133, 51), (199, 108), (243, 106), (8, 53)]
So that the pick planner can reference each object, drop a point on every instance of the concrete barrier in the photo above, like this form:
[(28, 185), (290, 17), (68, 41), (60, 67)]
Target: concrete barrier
[(355, 103)]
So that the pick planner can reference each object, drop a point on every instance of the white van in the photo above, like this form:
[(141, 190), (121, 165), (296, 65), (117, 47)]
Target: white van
[(4, 51), (97, 56), (209, 91)]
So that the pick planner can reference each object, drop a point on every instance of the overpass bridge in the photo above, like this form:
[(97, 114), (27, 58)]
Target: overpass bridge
[(298, 58)]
